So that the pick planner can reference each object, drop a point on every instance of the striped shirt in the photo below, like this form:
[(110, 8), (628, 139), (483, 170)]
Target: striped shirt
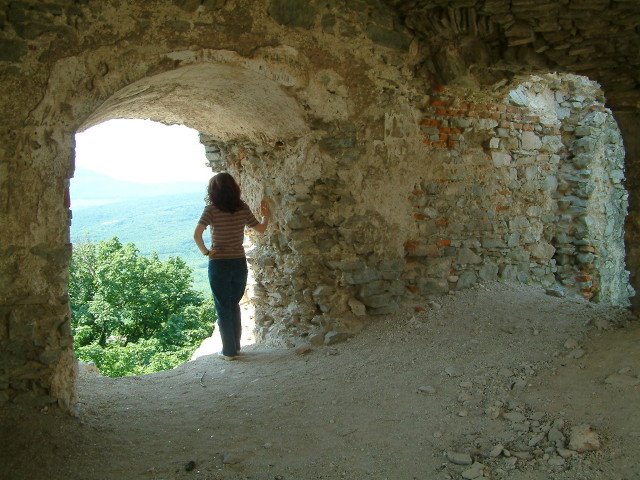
[(227, 229)]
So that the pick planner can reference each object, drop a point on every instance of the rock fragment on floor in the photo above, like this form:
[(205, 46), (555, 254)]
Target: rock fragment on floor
[(459, 458), (583, 439)]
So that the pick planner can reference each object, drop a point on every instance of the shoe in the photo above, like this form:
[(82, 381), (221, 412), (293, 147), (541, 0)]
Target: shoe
[(229, 358)]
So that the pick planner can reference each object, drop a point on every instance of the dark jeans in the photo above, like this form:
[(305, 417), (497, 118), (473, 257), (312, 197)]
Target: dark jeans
[(228, 279)]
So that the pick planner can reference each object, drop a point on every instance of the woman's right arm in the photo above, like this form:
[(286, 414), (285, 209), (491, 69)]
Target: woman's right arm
[(197, 236)]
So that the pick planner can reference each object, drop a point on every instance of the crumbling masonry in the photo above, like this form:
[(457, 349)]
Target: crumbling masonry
[(407, 148)]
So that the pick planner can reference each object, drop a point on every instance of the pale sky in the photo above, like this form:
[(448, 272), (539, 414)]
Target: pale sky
[(142, 151)]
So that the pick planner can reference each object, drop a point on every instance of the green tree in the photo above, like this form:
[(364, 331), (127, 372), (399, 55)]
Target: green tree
[(133, 314)]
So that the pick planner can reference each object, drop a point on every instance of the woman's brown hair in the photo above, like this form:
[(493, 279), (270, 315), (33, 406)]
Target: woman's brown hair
[(224, 193)]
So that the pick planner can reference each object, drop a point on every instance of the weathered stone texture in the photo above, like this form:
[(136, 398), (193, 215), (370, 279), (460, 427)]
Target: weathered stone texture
[(384, 182), (527, 190)]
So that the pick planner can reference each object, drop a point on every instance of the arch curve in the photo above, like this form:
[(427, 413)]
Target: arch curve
[(224, 101)]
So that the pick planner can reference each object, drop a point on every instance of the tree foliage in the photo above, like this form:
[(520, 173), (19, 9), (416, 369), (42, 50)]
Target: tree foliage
[(133, 314)]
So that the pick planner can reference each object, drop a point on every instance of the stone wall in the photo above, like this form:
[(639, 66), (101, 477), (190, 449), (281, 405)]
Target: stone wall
[(526, 189), (629, 122), (383, 183)]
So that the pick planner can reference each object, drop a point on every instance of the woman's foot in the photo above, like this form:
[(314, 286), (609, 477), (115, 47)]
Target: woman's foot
[(227, 357)]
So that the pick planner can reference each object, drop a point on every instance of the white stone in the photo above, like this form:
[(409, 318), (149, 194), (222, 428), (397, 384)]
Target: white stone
[(500, 159), (530, 141), (583, 439)]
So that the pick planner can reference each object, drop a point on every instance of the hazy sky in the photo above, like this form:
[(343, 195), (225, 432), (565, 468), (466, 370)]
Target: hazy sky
[(142, 151)]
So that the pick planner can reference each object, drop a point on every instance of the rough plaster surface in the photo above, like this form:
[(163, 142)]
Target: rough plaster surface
[(320, 108)]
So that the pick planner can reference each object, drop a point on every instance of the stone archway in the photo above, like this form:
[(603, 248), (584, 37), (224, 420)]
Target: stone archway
[(350, 190)]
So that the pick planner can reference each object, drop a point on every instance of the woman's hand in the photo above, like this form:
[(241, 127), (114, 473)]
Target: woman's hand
[(265, 211), (212, 252)]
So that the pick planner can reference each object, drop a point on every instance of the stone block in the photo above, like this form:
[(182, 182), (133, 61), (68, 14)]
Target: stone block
[(488, 273), (466, 279), (433, 286), (542, 251), (293, 13), (338, 143), (388, 38), (378, 301), (334, 337), (387, 309), (467, 256), (530, 141), (357, 308), (373, 288), (509, 272), (348, 265), (500, 159), (390, 269), (438, 267), (12, 50), (492, 243), (362, 276)]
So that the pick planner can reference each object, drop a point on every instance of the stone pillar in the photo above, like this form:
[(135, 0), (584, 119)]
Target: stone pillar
[(629, 123), (37, 365)]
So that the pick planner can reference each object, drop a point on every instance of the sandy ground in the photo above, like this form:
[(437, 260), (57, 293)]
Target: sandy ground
[(493, 369)]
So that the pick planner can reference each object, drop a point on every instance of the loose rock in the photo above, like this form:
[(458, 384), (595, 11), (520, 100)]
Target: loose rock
[(428, 389), (453, 371), (459, 458), (583, 439), (476, 470)]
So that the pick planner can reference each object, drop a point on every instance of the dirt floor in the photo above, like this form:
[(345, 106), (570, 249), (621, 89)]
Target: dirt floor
[(504, 376)]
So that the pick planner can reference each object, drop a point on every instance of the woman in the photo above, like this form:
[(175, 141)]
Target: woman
[(227, 215)]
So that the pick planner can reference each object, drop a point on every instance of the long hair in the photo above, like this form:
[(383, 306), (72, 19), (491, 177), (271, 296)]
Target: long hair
[(224, 193)]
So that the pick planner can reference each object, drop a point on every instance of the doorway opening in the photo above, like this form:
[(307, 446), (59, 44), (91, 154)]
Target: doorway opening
[(139, 290)]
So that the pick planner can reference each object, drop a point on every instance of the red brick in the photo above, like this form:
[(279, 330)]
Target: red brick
[(430, 122), (439, 103), (419, 216), (443, 243), (410, 246), (502, 208), (442, 222)]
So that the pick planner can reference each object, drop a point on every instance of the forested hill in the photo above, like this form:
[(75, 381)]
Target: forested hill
[(163, 224)]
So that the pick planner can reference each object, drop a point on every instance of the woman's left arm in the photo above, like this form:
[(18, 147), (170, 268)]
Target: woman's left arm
[(197, 237)]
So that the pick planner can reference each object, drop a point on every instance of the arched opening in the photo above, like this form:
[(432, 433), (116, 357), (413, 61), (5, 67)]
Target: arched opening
[(525, 186), (231, 107), (233, 110), (139, 293)]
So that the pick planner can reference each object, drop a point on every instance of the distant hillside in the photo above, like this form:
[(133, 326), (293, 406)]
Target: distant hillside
[(163, 224), (89, 188)]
